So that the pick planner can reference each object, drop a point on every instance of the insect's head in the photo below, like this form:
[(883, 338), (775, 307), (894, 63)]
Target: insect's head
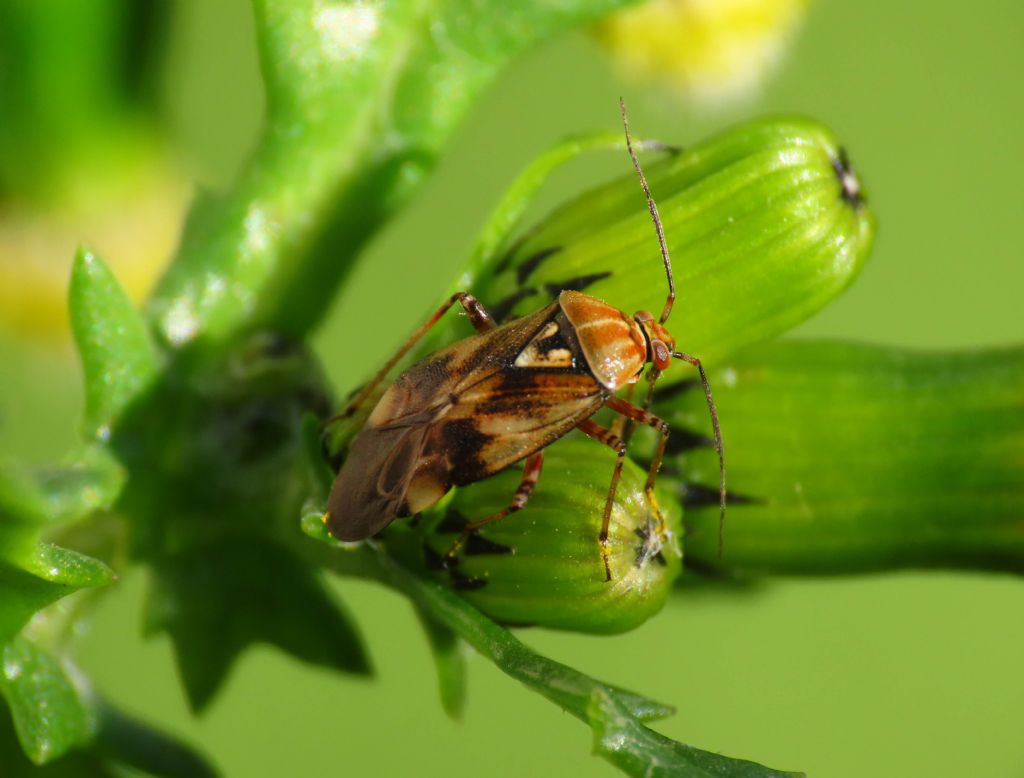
[(660, 343)]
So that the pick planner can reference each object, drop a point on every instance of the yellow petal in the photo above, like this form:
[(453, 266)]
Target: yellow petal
[(715, 51)]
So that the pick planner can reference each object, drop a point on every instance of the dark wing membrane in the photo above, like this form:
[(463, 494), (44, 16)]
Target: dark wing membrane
[(509, 415), (370, 490), (458, 415)]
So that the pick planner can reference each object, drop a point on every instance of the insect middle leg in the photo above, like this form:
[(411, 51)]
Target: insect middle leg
[(610, 439), (478, 317), (531, 474), (646, 417)]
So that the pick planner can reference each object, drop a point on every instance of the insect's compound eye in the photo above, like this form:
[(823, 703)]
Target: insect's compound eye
[(661, 355)]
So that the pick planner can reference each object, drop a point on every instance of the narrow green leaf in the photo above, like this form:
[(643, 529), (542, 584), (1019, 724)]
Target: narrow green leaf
[(42, 578), (361, 98), (79, 763), (568, 688), (505, 217), (215, 601), (34, 574), (136, 744), (92, 481), (70, 569), (21, 594), (639, 751), (846, 458), (562, 684), (49, 714), (118, 359), (765, 223), (22, 509), (450, 663), (53, 718), (320, 475)]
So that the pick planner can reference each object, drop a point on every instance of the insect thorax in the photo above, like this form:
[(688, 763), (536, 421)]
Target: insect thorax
[(612, 343)]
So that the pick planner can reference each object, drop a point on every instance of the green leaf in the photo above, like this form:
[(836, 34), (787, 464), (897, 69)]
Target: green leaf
[(450, 663), (117, 356), (34, 574), (360, 100), (215, 601), (320, 475), (79, 763), (92, 481), (845, 458), (568, 688), (53, 718), (136, 744), (49, 714), (639, 751), (22, 508)]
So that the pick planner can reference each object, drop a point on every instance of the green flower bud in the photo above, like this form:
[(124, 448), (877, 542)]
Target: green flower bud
[(765, 224), (847, 458), (543, 565)]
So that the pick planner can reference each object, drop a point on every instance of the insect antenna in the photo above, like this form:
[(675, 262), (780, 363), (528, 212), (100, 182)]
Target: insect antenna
[(718, 441), (669, 301), (653, 208)]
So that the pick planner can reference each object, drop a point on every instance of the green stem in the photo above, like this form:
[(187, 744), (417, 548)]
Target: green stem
[(361, 99)]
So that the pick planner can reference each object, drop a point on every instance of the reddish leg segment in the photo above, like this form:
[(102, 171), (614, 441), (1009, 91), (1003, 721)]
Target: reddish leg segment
[(613, 441), (478, 316), (531, 474), (646, 417), (619, 427)]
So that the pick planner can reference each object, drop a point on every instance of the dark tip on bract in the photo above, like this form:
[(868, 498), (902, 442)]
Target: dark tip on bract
[(475, 544), (465, 582), (432, 559), (452, 524), (850, 189), (700, 496)]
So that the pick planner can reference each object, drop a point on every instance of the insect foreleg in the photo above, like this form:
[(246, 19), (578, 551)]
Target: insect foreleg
[(478, 317), (646, 417), (531, 474), (610, 439), (619, 425)]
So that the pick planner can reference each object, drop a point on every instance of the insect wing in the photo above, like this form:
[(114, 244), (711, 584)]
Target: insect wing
[(509, 415), (459, 415), (367, 496)]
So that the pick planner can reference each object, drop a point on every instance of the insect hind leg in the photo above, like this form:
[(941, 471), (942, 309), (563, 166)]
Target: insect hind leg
[(478, 317), (610, 439)]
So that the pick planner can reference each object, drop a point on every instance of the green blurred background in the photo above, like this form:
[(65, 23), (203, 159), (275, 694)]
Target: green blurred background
[(901, 674)]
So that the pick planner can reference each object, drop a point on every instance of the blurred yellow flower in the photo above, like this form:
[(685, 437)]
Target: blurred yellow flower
[(133, 224), (715, 51)]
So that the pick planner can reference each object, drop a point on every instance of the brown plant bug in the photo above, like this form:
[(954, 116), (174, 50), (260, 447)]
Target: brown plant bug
[(501, 396)]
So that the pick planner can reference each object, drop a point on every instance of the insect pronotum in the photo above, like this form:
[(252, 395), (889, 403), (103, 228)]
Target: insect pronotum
[(501, 396)]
